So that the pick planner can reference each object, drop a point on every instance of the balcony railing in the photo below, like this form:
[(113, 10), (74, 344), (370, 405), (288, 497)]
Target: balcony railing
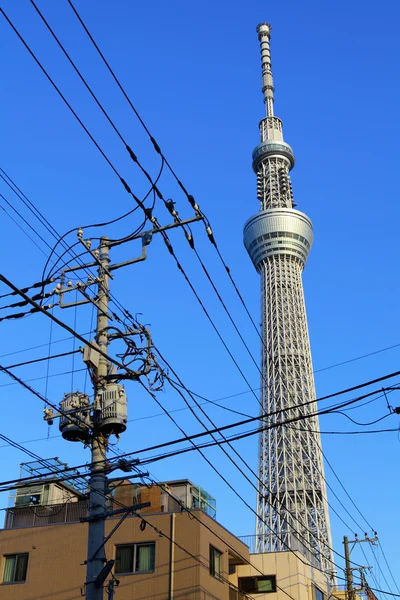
[(33, 516)]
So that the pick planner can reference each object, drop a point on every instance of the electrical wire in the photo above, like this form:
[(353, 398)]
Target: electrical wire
[(128, 189), (362, 424), (268, 492), (209, 462), (122, 366), (143, 519), (50, 315), (25, 221), (47, 465), (69, 106), (172, 171), (36, 360), (23, 230), (75, 419), (127, 147), (358, 510), (373, 574)]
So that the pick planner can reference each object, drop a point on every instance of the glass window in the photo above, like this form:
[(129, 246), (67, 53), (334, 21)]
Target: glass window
[(215, 562), (257, 585), (124, 559), (144, 558), (318, 595), (15, 567), (30, 495), (135, 558)]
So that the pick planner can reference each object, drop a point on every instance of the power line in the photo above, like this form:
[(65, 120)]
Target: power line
[(172, 171), (121, 365), (124, 183), (45, 463), (269, 493), (189, 196), (69, 329), (36, 360), (23, 230), (25, 221), (372, 573), (139, 202), (186, 438), (389, 569), (361, 514), (220, 473), (44, 377), (73, 419)]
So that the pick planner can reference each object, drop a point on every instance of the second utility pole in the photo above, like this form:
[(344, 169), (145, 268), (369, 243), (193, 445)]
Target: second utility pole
[(97, 499), (349, 572)]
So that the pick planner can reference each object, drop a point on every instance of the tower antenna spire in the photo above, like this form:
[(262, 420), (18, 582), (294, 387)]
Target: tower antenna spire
[(264, 35)]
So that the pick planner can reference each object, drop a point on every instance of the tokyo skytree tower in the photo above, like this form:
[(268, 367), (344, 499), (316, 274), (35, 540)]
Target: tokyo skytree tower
[(291, 503)]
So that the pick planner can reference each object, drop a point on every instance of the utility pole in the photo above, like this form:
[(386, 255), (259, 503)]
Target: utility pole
[(93, 423), (349, 572), (351, 591), (97, 497)]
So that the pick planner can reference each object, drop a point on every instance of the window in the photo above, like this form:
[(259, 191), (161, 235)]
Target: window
[(135, 558), (215, 563), (257, 585), (318, 595), (15, 566)]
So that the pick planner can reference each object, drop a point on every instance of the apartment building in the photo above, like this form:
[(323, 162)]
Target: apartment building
[(164, 553)]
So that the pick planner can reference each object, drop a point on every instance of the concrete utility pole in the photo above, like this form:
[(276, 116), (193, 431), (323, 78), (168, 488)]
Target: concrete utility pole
[(93, 423), (351, 591), (349, 572), (97, 498)]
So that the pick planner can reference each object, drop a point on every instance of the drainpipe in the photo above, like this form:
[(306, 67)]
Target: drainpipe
[(171, 556)]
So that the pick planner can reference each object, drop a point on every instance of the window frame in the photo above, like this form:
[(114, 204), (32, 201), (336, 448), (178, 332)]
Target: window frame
[(217, 575), (255, 589), (135, 546), (15, 555)]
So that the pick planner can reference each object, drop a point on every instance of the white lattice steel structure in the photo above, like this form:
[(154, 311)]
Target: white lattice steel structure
[(291, 505)]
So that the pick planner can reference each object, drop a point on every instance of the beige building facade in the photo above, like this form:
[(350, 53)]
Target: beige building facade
[(165, 553)]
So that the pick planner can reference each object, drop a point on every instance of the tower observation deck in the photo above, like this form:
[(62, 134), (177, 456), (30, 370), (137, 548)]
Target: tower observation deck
[(291, 502)]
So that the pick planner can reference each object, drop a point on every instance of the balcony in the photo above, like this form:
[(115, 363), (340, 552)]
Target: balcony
[(50, 514)]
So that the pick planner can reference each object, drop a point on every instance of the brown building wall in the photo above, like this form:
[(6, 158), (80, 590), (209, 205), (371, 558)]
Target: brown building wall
[(57, 553)]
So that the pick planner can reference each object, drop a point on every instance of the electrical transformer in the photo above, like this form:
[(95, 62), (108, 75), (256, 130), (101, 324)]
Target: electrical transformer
[(75, 417), (113, 409)]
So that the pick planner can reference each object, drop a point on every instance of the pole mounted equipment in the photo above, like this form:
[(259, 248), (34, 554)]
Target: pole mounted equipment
[(291, 503), (93, 423)]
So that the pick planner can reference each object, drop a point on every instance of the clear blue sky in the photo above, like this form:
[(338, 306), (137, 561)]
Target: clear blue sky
[(193, 72)]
